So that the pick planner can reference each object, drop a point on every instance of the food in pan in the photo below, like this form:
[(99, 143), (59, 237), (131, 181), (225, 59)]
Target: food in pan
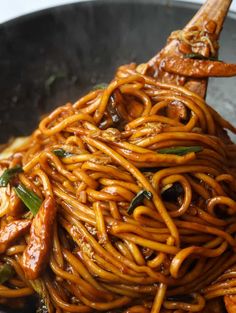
[(125, 201)]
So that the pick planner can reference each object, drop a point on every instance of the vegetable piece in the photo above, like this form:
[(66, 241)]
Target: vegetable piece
[(38, 249), (6, 272), (116, 116), (197, 56), (138, 199), (12, 231), (100, 86), (180, 150), (8, 174), (61, 153), (29, 198), (172, 192)]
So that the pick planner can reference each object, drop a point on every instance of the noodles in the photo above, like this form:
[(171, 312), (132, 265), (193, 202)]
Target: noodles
[(127, 203)]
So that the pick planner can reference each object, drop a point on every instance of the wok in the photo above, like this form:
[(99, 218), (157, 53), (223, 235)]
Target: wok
[(53, 56)]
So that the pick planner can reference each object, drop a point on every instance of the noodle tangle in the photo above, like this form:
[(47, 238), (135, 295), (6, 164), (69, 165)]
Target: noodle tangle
[(137, 191)]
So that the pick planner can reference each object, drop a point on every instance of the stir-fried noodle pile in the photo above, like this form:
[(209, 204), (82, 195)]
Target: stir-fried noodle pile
[(124, 201)]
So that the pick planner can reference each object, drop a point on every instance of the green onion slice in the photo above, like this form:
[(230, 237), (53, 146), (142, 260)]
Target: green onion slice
[(29, 198), (180, 150), (61, 153), (138, 200), (8, 174)]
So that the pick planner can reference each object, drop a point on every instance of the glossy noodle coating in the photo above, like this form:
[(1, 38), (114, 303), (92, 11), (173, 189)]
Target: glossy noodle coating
[(125, 203)]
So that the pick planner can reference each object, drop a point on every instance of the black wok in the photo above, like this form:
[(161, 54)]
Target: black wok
[(56, 55)]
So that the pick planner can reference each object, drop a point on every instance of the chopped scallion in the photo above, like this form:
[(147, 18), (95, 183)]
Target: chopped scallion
[(61, 153), (138, 200), (180, 150), (8, 174), (29, 198)]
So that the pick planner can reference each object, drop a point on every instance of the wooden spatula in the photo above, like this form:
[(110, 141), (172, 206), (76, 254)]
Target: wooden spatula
[(190, 55)]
